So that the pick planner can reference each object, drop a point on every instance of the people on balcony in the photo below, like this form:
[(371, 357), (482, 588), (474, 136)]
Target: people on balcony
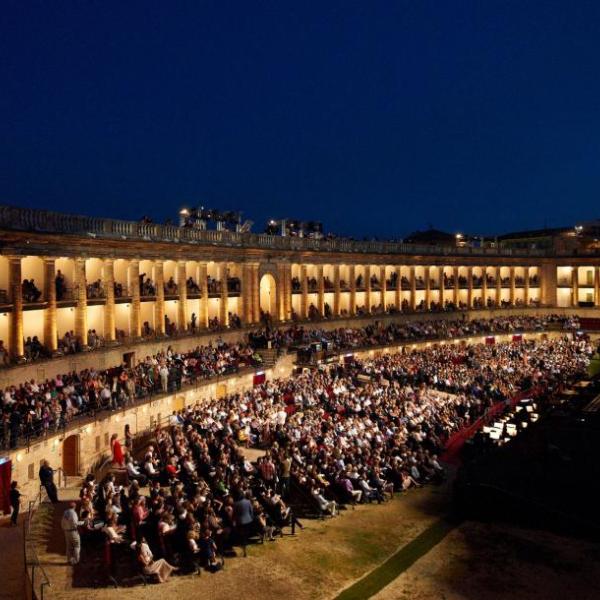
[(61, 286), (213, 285), (95, 289), (119, 290), (374, 282), (405, 282), (30, 291), (171, 288), (192, 286), (34, 349), (234, 321), (392, 281), (147, 286), (359, 282), (312, 284)]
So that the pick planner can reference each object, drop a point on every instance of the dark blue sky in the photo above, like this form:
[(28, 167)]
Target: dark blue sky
[(377, 118)]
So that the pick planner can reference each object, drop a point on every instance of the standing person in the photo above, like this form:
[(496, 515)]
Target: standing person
[(47, 480), (69, 524), (15, 502), (117, 451)]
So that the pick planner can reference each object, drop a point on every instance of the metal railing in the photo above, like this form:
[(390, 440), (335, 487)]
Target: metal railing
[(45, 221), (35, 576)]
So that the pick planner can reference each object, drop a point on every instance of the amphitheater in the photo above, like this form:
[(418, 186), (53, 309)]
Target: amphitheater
[(113, 292)]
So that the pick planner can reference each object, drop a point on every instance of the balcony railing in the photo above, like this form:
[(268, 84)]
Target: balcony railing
[(44, 221)]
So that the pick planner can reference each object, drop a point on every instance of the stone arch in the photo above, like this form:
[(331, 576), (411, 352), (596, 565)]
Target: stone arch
[(268, 295)]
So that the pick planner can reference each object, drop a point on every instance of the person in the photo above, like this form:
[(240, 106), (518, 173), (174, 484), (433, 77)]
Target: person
[(69, 524), (161, 568), (243, 518), (47, 480), (117, 450), (15, 502)]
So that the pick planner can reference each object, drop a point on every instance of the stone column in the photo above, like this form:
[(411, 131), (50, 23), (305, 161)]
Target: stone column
[(368, 297), (456, 294), (288, 291), (470, 287), (50, 314), (512, 286), (304, 299), (383, 281), (321, 291), (547, 273), (159, 305), (337, 294), (280, 293), (399, 289), (136, 304), (16, 342), (255, 293), (224, 300), (484, 286), (108, 277), (498, 286), (81, 327), (427, 287), (413, 288), (182, 318), (203, 284), (352, 277), (575, 286), (246, 294)]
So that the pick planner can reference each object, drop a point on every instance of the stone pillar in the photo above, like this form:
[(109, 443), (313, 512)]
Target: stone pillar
[(368, 297), (413, 288), (399, 289), (182, 318), (484, 286), (456, 294), (203, 283), (224, 300), (512, 286), (280, 293), (304, 299), (470, 287), (16, 342), (81, 327), (427, 287), (337, 294), (50, 326), (288, 291), (383, 284), (321, 291), (575, 286), (159, 305), (548, 284), (352, 277), (136, 304), (246, 294), (498, 286), (596, 286), (526, 295), (108, 277), (255, 293)]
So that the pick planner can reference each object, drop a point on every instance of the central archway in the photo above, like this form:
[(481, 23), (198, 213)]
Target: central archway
[(268, 295)]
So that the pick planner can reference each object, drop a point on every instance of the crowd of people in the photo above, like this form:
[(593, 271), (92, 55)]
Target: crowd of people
[(333, 437), (34, 409), (380, 334)]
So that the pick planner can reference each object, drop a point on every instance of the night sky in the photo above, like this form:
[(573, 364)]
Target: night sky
[(377, 118)]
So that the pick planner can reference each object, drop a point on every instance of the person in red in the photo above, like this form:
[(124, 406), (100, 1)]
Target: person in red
[(117, 451)]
